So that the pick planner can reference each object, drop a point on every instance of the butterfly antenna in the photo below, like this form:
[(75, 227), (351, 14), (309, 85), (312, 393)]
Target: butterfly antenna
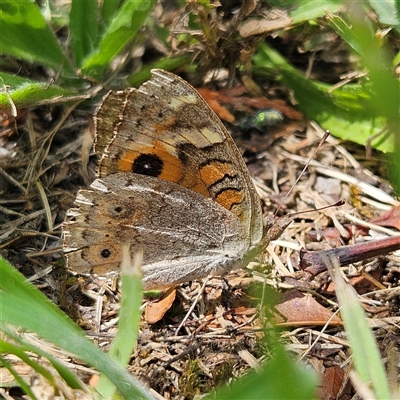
[(321, 142), (337, 204)]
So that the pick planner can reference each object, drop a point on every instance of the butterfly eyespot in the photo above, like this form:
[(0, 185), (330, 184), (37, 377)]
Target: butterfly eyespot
[(148, 164), (105, 253), (121, 210)]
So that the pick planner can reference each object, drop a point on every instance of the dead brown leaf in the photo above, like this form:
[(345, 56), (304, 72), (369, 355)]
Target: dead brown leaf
[(155, 311), (304, 310), (390, 218), (332, 380), (234, 98)]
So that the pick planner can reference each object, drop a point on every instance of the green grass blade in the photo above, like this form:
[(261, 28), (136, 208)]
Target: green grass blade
[(345, 30), (129, 316), (108, 10), (306, 11), (23, 385), (72, 380), (122, 29), (26, 35), (20, 353), (374, 55), (84, 27), (366, 356), (397, 8), (22, 305), (281, 376)]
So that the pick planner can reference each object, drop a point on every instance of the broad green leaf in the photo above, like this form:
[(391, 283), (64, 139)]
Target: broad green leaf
[(84, 27), (346, 31), (26, 35), (387, 12), (108, 10), (309, 10), (348, 111), (122, 29), (24, 306)]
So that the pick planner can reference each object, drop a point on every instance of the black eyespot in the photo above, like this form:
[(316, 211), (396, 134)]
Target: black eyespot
[(121, 209), (148, 164), (105, 253)]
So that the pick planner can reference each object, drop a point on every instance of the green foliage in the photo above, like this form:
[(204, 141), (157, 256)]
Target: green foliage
[(359, 31), (270, 381), (20, 20), (347, 111), (84, 28), (121, 30), (99, 33), (273, 381), (353, 112), (17, 296), (23, 307), (366, 357), (129, 318), (24, 92), (305, 11)]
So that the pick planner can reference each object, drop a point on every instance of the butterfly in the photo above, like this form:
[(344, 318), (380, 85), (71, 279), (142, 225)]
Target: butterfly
[(171, 183)]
